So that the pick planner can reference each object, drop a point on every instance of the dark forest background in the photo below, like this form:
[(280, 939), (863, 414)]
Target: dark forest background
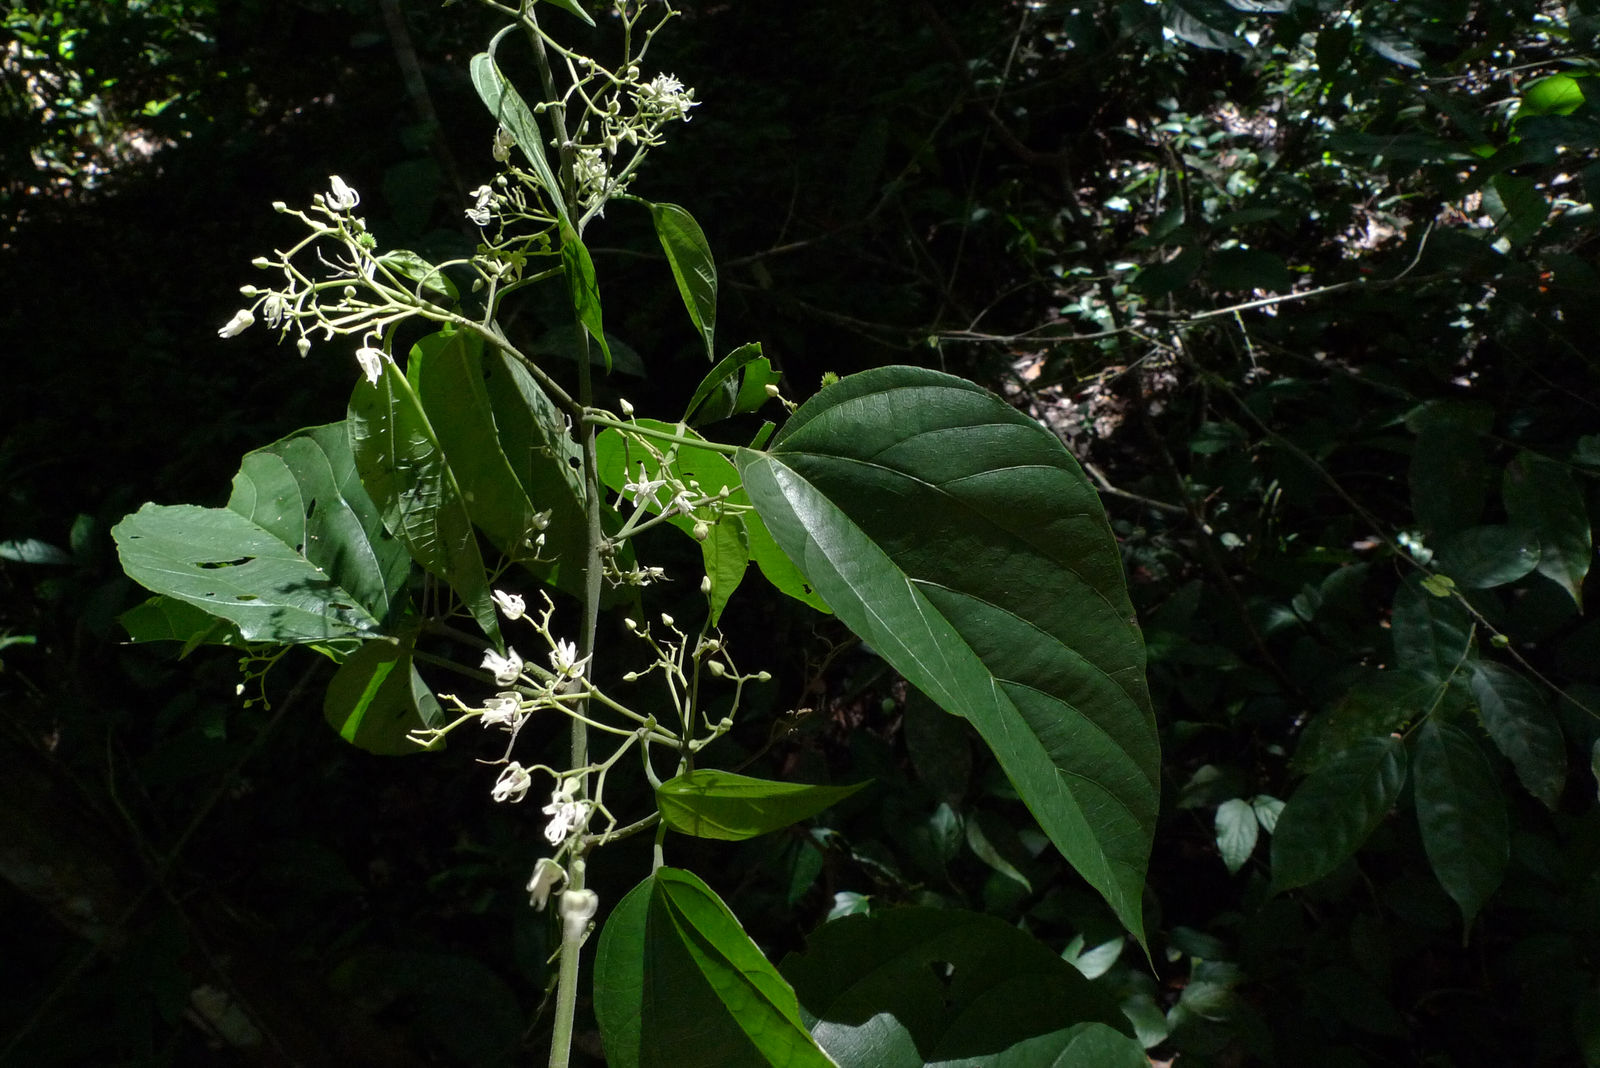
[(1090, 208)]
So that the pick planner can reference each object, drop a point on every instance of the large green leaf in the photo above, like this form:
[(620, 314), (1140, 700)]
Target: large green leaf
[(509, 110), (1432, 635), (1523, 728), (678, 982), (299, 554), (720, 804), (1542, 496), (405, 470), (689, 254), (1376, 702), (376, 699), (1480, 558), (917, 986), (1334, 811), (167, 619), (1465, 830), (962, 542)]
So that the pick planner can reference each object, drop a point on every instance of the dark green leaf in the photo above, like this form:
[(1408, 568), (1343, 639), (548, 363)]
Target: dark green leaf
[(938, 744), (573, 7), (167, 619), (1465, 830), (1249, 269), (689, 254), (1447, 478), (1542, 496), (1516, 206), (1480, 558), (405, 470), (961, 541), (299, 554), (917, 986), (583, 288), (1237, 830), (1432, 635), (508, 109), (377, 698), (1334, 811), (1523, 728), (720, 804), (1085, 1045), (678, 982)]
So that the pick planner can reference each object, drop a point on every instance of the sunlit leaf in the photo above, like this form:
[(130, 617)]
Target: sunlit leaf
[(583, 288), (689, 254), (376, 699), (961, 541), (708, 803)]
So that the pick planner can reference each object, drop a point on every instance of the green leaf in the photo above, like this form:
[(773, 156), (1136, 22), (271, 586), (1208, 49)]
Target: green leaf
[(962, 542), (167, 619), (1523, 728), (573, 7), (1267, 810), (33, 551), (1237, 830), (1542, 496), (376, 699), (732, 398), (1334, 811), (299, 555), (689, 254), (720, 804), (1481, 558), (432, 284), (1465, 830), (678, 982), (508, 109), (1432, 635), (726, 555), (916, 986), (584, 289), (620, 460), (404, 468), (1447, 478), (1559, 94), (1516, 206), (547, 462), (979, 827), (1085, 1045), (1377, 702)]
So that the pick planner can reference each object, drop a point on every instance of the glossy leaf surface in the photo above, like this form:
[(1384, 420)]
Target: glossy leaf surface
[(583, 288), (916, 986), (678, 982), (510, 111), (721, 804), (1465, 830), (961, 541), (299, 554), (1334, 811)]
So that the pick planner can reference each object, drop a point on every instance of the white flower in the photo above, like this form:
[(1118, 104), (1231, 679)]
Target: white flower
[(564, 658), (502, 710), (502, 144), (566, 814), (273, 308), (505, 668), (512, 606), (591, 172), (665, 98), (645, 488), (513, 783), (341, 197), (238, 324), (479, 214), (371, 361), (547, 875)]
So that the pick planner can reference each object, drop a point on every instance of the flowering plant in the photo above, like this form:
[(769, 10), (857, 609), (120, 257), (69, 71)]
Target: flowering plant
[(469, 476)]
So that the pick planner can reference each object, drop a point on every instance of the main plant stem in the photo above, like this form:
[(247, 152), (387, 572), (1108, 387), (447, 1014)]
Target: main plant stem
[(573, 934)]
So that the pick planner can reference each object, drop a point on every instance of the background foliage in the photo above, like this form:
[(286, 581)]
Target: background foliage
[(1359, 513)]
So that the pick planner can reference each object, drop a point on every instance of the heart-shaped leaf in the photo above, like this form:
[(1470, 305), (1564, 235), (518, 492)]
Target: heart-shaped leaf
[(963, 543)]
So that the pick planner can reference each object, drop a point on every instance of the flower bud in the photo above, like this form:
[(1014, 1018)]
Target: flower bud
[(279, 206), (304, 345), (716, 668), (702, 530), (622, 403), (666, 619), (763, 676), (772, 390), (705, 584), (248, 291), (261, 263)]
